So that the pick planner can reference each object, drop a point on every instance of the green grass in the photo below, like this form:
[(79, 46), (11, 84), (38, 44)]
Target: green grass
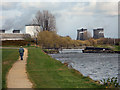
[(10, 46), (45, 72), (113, 47), (103, 46), (9, 56), (117, 48)]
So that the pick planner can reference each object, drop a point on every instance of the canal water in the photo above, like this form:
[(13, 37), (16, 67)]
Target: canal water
[(98, 66)]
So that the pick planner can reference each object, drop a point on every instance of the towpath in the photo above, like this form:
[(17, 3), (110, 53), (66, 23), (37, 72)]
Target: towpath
[(17, 75)]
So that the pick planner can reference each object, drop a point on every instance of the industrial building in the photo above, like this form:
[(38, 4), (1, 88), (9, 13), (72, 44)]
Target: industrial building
[(32, 29), (81, 33), (16, 35), (13, 36), (2, 31), (98, 33), (16, 31)]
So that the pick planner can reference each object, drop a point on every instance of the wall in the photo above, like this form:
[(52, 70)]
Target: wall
[(12, 36), (81, 35), (98, 34), (32, 30)]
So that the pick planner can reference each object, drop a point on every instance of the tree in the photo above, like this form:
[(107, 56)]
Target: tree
[(46, 20), (92, 41), (48, 39)]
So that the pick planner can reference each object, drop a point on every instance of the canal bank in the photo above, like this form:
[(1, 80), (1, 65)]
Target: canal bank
[(46, 72), (98, 66), (99, 50)]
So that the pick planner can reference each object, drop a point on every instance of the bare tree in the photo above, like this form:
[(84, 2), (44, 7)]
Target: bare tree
[(46, 20)]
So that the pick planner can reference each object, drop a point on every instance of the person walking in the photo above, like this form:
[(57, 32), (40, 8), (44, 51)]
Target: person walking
[(21, 51)]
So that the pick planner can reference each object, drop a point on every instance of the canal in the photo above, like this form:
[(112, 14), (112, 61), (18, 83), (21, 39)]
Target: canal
[(98, 66)]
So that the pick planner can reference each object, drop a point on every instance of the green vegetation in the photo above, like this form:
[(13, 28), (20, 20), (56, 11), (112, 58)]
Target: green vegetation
[(9, 56), (50, 51), (46, 72), (15, 42), (117, 48), (113, 47), (49, 39), (111, 82), (10, 46)]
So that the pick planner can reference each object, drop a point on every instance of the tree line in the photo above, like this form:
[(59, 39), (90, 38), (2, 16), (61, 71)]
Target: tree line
[(48, 38)]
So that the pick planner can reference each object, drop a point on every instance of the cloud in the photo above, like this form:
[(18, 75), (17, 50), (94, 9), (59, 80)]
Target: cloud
[(79, 8), (60, 0), (9, 5), (91, 8), (69, 15), (96, 8), (17, 18), (109, 8)]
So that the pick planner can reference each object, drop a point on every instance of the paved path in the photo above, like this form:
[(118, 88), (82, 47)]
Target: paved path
[(17, 76)]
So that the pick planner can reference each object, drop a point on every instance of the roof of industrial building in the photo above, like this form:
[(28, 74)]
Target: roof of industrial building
[(99, 29), (82, 29), (32, 25)]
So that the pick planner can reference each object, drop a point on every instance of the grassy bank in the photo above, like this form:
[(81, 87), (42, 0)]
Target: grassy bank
[(46, 72), (113, 47), (117, 48), (9, 56)]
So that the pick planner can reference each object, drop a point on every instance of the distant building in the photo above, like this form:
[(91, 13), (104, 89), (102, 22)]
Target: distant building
[(16, 31), (98, 33), (2, 31), (32, 29), (16, 35), (81, 33), (13, 36)]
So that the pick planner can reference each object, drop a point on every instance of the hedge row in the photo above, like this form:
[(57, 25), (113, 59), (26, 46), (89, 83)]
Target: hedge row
[(15, 42)]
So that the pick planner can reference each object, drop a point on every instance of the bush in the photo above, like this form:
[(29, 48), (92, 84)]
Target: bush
[(111, 82)]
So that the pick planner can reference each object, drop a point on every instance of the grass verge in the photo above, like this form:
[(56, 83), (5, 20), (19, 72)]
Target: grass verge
[(46, 72), (9, 56), (117, 48)]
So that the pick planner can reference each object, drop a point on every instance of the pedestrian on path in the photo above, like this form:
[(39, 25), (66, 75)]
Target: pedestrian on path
[(21, 51)]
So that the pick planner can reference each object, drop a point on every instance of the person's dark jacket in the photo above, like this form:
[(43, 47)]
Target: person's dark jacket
[(21, 51)]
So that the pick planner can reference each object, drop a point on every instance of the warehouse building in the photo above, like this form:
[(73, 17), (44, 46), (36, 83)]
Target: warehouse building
[(81, 33), (98, 33), (32, 29), (16, 31), (16, 35), (2, 31)]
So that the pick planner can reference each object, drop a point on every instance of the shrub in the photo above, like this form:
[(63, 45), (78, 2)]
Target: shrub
[(14, 42), (110, 82)]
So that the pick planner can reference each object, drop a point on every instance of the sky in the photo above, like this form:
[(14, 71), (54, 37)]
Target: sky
[(70, 16)]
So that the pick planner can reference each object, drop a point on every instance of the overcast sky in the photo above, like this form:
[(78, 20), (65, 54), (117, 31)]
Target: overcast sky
[(69, 16)]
